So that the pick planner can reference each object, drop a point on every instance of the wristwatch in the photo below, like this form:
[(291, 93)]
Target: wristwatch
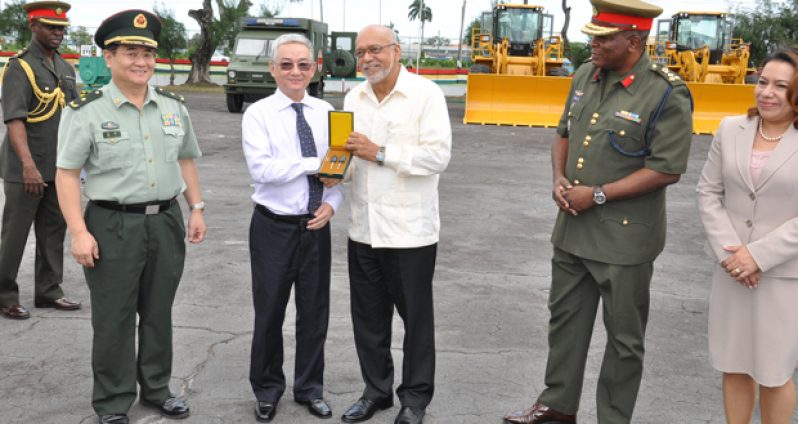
[(381, 156), (197, 206), (598, 195)]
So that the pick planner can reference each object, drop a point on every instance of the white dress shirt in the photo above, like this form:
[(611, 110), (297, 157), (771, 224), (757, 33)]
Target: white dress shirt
[(396, 205), (274, 158)]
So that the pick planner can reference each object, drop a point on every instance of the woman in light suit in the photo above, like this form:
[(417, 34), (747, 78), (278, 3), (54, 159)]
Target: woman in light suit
[(748, 199)]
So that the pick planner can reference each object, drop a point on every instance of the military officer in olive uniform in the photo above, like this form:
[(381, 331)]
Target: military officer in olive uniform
[(623, 137), (37, 83), (138, 147)]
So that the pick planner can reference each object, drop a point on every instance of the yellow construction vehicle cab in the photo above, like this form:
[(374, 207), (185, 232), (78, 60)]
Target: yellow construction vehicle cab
[(514, 55)]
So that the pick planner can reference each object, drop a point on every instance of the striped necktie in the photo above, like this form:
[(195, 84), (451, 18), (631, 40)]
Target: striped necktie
[(308, 146)]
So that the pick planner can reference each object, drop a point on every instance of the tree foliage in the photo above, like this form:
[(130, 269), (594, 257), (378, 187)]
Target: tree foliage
[(172, 39), (768, 27), (437, 41), (415, 12), (467, 33), (14, 23), (80, 36), (578, 53)]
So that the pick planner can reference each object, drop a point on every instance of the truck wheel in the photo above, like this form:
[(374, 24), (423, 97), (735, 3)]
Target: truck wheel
[(235, 102), (341, 64), (316, 89), (558, 72)]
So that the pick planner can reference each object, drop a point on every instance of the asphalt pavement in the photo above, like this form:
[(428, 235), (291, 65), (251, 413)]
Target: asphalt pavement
[(491, 287)]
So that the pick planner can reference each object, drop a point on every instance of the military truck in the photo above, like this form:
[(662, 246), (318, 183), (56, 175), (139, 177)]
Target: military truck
[(248, 77)]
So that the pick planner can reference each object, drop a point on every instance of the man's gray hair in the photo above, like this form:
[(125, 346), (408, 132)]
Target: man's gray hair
[(290, 39)]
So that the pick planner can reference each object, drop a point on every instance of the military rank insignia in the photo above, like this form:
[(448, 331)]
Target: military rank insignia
[(628, 116), (171, 119)]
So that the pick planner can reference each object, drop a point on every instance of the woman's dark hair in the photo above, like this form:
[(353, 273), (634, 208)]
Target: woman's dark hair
[(790, 57)]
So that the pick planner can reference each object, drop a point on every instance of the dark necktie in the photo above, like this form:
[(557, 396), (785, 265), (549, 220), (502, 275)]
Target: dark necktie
[(308, 147)]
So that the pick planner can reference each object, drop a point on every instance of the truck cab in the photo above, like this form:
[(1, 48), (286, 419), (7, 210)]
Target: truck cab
[(248, 77)]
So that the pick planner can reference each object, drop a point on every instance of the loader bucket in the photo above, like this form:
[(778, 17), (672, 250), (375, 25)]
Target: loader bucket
[(714, 102), (515, 100)]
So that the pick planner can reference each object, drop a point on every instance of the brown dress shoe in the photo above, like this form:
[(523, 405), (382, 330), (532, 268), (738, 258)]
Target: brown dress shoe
[(539, 414), (62, 304), (15, 312)]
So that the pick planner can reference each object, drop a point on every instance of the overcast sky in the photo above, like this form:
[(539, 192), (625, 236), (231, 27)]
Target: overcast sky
[(351, 15)]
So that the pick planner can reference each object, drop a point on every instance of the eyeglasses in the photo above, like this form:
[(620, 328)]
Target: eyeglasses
[(372, 50), (303, 66)]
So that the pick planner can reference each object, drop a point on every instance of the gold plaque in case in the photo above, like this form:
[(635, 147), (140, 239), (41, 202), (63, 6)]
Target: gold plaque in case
[(337, 160)]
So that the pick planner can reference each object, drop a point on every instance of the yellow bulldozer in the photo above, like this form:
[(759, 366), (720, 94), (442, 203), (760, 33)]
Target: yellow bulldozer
[(516, 57), (699, 47)]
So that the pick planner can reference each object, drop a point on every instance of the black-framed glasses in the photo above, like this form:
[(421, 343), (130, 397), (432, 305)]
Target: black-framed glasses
[(303, 66), (372, 50)]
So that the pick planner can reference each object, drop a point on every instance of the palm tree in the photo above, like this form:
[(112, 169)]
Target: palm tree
[(415, 13)]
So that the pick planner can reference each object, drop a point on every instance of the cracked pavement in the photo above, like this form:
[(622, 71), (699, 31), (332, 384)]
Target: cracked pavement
[(491, 288)]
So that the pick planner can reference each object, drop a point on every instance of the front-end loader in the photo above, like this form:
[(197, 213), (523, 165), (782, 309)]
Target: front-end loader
[(516, 60), (698, 46)]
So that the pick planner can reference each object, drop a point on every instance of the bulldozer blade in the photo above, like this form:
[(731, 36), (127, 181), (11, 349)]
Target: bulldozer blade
[(539, 101), (714, 102), (515, 100)]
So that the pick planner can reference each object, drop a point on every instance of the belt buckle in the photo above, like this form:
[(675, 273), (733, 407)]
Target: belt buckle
[(152, 209), (303, 223)]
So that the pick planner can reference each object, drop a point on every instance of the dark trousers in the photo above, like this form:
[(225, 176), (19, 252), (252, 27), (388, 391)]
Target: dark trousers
[(577, 285), (140, 265), (283, 254), (21, 210), (381, 279)]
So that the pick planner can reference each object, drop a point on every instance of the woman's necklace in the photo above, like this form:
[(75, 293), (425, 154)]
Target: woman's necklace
[(766, 138)]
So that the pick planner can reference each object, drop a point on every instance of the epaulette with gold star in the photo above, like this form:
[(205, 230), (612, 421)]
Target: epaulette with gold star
[(673, 78), (163, 92), (85, 98)]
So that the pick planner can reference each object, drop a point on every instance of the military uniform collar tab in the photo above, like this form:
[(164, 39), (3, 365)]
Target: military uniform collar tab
[(628, 79)]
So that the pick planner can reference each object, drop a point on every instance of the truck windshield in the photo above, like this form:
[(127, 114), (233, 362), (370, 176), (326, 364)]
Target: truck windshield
[(699, 30), (518, 25), (252, 47)]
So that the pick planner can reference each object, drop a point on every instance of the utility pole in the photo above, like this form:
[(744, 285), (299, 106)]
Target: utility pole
[(460, 38)]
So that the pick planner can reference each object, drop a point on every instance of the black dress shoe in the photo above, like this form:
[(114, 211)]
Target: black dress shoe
[(173, 407), (317, 407), (264, 411), (114, 419), (364, 409), (62, 304), (409, 415)]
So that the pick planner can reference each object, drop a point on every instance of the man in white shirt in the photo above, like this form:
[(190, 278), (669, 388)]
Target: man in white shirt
[(284, 137), (402, 142)]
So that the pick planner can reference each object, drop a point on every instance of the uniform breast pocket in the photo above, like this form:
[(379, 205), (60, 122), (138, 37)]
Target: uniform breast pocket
[(628, 137), (403, 132), (172, 140), (114, 150)]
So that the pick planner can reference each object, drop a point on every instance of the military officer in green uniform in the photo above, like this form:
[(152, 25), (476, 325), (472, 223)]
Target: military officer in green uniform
[(138, 147), (36, 85), (623, 137)]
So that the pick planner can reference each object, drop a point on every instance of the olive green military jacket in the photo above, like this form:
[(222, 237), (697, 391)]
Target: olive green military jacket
[(130, 155), (606, 142), (19, 101)]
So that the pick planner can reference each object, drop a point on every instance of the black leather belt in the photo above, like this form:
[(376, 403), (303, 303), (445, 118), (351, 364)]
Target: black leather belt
[(300, 220), (147, 208)]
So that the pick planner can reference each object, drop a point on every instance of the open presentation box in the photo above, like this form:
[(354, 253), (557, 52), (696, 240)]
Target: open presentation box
[(337, 160)]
